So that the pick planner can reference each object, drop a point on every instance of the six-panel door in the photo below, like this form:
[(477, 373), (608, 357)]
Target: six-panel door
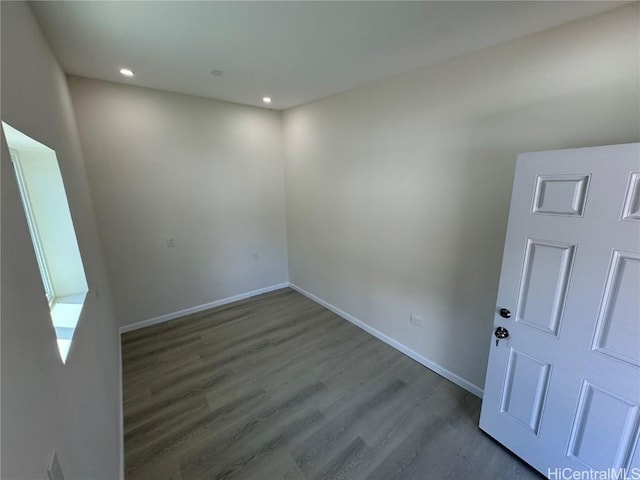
[(563, 389)]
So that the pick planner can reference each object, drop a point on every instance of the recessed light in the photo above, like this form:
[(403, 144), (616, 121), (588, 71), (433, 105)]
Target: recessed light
[(266, 99), (126, 72)]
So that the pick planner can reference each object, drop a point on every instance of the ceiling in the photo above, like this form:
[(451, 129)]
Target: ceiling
[(295, 52)]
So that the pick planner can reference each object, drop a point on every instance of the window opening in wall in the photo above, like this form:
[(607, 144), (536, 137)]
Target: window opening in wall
[(52, 232)]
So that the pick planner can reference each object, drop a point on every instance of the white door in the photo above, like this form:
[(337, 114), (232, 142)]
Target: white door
[(563, 389)]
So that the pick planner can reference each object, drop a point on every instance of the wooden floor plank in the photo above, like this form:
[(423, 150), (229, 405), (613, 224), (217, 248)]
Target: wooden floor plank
[(278, 387)]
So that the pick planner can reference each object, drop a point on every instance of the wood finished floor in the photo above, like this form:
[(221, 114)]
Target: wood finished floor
[(278, 387)]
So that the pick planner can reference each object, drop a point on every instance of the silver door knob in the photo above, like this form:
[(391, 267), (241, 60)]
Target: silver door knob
[(501, 332), (505, 313)]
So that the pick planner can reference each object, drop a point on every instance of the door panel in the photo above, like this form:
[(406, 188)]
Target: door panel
[(603, 414), (614, 336), (560, 194), (525, 389), (563, 389), (631, 210), (544, 281)]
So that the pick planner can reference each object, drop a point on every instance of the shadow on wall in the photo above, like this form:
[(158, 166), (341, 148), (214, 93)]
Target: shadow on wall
[(484, 214)]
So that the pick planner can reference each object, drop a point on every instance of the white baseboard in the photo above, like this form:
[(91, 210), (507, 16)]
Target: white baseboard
[(440, 370), (200, 308)]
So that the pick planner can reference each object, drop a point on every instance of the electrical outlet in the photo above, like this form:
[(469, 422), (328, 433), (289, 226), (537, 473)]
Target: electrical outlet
[(171, 242), (54, 472), (416, 320)]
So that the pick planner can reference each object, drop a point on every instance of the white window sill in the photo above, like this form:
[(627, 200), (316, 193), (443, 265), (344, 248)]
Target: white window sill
[(65, 314)]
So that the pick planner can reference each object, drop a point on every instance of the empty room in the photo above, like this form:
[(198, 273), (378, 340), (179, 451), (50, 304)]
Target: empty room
[(315, 240)]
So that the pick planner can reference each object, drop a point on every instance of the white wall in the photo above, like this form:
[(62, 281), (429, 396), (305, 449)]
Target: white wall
[(73, 408), (398, 192), (209, 174)]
